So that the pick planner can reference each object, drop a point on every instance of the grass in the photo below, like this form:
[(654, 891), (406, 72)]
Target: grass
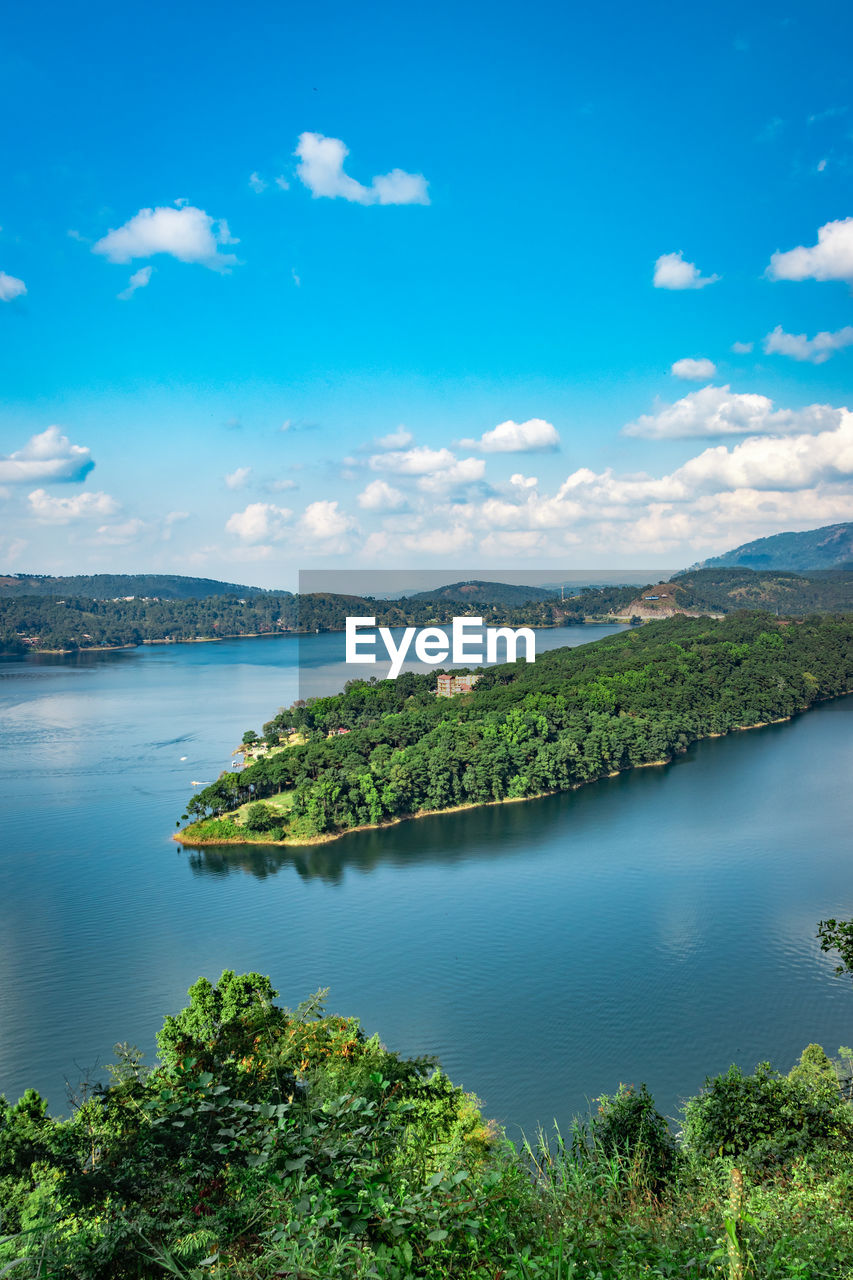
[(281, 800)]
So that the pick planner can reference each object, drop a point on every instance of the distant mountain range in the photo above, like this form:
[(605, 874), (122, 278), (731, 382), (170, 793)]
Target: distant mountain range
[(828, 548)]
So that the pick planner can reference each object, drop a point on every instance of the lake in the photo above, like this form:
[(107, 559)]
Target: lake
[(651, 927)]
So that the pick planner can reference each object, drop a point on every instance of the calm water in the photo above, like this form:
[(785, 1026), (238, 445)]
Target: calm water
[(652, 927)]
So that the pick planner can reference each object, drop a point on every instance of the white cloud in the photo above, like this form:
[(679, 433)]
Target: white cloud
[(465, 471), (742, 348), (282, 183), (672, 272), (440, 542), (829, 113), (694, 370), (119, 535), (817, 349), (396, 439), (719, 411), (138, 280), (533, 436), (324, 520), (381, 496), (187, 233), (797, 462), (321, 170), (257, 183), (12, 549), (47, 457), (11, 287), (413, 462), (436, 470), (760, 483), (82, 506), (237, 479), (399, 187), (794, 470), (280, 486), (523, 542), (170, 520), (376, 545), (259, 522), (830, 259)]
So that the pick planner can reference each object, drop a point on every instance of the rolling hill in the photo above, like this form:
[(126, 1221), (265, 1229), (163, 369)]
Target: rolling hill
[(112, 586), (826, 548), (498, 593)]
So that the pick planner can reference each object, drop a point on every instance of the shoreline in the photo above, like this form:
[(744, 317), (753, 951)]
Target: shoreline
[(180, 837), (269, 635), (89, 648), (177, 836)]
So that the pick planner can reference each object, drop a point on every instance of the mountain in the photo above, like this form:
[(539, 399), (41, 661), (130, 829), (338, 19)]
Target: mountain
[(826, 548), (110, 586), (502, 593)]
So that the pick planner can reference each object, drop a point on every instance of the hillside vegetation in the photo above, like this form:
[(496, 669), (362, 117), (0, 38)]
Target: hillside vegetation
[(723, 591), (105, 586), (50, 623), (826, 548), (635, 698), (269, 1144), (53, 622), (476, 590)]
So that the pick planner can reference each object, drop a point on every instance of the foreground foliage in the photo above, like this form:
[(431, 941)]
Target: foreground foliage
[(270, 1143)]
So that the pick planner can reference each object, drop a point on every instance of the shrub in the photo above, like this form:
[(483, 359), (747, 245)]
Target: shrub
[(628, 1126), (262, 817), (765, 1119), (815, 1069)]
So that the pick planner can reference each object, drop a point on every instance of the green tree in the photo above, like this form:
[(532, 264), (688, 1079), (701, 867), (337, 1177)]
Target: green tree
[(837, 935), (213, 1013)]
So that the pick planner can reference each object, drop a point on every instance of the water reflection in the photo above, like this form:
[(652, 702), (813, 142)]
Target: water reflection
[(491, 833)]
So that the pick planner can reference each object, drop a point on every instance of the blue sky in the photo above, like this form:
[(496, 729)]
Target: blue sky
[(329, 285)]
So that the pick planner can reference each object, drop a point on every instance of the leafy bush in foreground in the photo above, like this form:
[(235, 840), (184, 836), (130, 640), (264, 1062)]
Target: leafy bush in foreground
[(766, 1118), (271, 1143)]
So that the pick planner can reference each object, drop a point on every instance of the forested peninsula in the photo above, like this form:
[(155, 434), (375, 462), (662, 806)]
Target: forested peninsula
[(383, 751)]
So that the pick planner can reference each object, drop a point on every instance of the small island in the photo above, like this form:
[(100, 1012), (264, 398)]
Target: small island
[(383, 752)]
